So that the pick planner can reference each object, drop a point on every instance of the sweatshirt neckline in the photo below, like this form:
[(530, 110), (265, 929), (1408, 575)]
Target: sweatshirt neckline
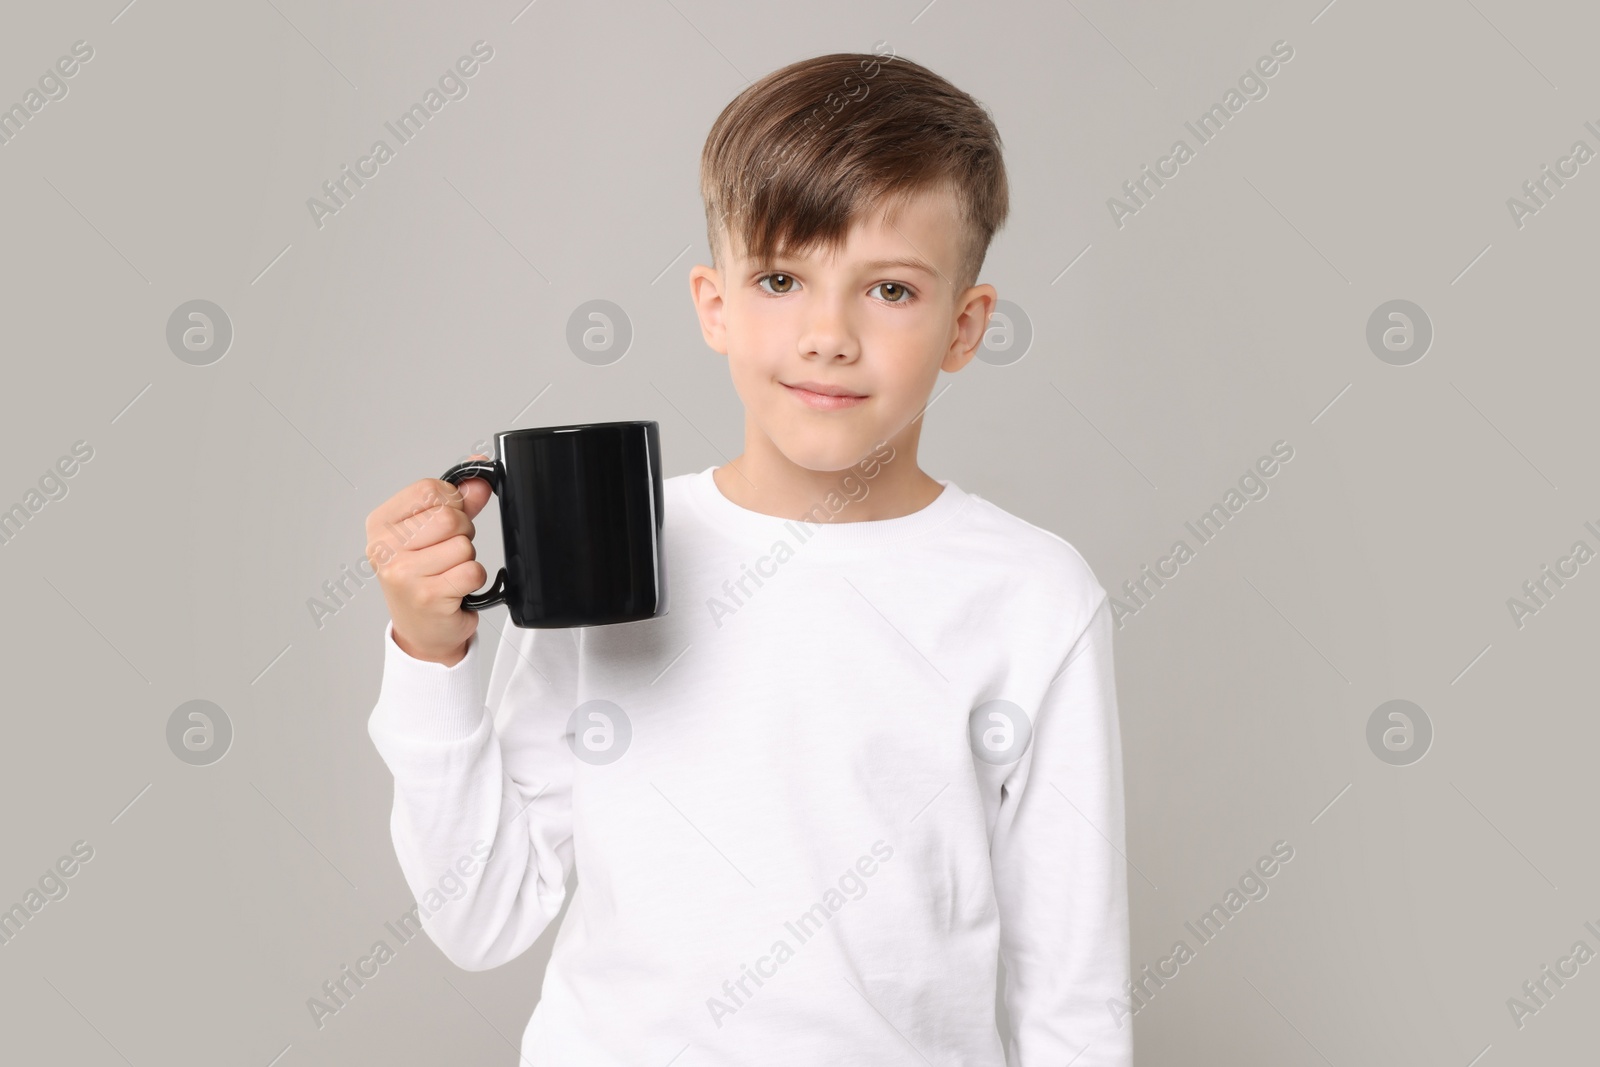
[(829, 530)]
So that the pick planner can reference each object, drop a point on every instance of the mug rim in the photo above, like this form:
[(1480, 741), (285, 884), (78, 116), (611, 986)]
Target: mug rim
[(538, 431)]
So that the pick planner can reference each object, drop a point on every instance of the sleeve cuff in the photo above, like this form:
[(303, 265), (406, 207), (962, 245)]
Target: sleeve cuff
[(427, 700)]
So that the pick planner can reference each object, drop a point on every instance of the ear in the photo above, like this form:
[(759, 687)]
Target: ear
[(705, 290), (973, 309)]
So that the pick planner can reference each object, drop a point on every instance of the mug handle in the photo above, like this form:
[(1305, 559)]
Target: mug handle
[(489, 471)]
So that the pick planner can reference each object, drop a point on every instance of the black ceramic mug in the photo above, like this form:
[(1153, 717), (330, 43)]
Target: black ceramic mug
[(581, 517)]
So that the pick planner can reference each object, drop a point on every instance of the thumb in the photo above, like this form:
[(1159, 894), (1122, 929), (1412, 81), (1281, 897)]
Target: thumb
[(475, 492)]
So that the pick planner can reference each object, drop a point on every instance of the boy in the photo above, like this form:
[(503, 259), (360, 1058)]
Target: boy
[(873, 747)]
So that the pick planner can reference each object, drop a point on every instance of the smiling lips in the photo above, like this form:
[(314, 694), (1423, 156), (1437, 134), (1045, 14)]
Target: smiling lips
[(824, 397)]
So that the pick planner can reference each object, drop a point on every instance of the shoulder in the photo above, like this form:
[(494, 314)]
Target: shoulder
[(1031, 561), (679, 486)]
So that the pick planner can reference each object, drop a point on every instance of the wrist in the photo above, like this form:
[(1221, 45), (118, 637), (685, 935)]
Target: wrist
[(447, 658)]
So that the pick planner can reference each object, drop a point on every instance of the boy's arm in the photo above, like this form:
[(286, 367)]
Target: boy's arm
[(482, 819), (1060, 876)]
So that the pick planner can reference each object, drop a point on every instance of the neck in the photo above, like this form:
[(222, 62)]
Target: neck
[(763, 479)]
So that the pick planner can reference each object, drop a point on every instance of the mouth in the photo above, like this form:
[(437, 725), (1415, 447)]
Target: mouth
[(824, 397)]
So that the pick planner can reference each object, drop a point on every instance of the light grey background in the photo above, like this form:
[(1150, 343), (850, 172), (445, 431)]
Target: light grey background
[(1228, 314)]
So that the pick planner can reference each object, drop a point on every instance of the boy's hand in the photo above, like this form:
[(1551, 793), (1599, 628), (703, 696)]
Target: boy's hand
[(430, 564)]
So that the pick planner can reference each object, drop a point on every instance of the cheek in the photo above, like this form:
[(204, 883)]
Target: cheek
[(757, 328), (752, 371), (910, 350), (759, 348)]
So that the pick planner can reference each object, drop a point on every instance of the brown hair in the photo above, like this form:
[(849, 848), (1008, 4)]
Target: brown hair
[(796, 158)]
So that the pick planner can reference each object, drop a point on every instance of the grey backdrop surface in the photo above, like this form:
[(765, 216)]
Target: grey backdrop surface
[(1167, 354)]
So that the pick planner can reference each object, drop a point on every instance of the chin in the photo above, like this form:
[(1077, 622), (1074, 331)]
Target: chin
[(825, 455)]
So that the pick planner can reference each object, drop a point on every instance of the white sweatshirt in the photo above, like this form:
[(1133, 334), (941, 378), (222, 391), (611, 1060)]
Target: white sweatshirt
[(803, 829)]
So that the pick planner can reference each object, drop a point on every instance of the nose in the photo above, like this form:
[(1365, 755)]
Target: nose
[(827, 332)]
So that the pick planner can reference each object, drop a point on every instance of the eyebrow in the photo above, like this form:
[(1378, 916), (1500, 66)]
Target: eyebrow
[(909, 262)]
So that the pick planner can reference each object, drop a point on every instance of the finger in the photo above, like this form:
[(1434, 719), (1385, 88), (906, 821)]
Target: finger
[(419, 531), (462, 579), (415, 498), (435, 560)]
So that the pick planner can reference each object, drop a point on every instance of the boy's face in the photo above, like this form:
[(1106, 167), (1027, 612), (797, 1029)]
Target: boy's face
[(879, 320)]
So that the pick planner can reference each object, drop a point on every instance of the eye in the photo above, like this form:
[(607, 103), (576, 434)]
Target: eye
[(894, 292), (787, 278)]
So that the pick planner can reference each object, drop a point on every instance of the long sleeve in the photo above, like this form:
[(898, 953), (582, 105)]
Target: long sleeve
[(482, 817), (1060, 876)]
